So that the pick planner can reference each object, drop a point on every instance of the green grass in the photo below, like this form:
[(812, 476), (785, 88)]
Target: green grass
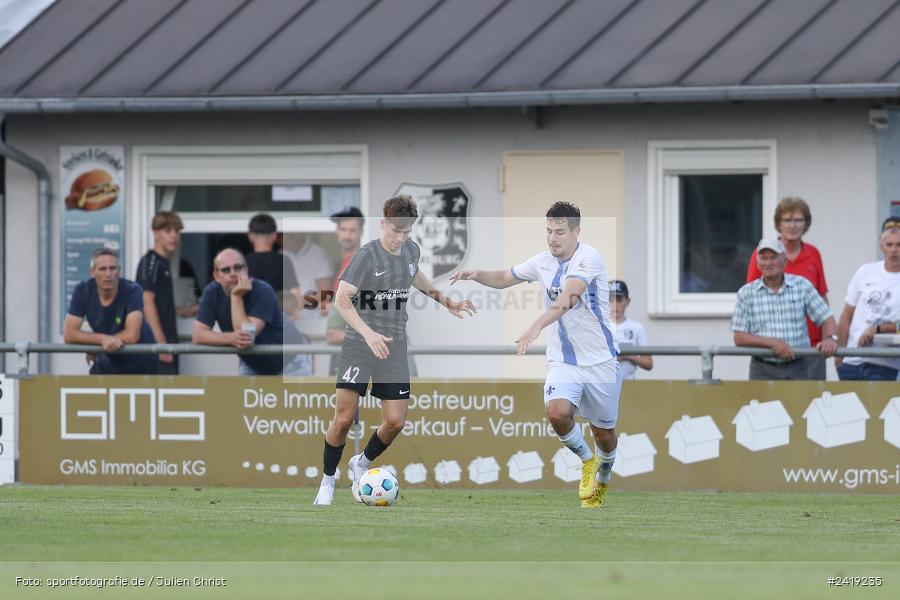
[(532, 543)]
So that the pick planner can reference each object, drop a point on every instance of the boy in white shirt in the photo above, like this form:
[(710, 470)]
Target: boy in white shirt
[(628, 332)]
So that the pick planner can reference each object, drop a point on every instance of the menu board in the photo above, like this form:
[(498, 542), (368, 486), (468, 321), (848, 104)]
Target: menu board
[(92, 202)]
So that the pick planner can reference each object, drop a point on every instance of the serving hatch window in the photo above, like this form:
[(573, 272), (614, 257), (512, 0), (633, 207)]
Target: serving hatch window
[(216, 217)]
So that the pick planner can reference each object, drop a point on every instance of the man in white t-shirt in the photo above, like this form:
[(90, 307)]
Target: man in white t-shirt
[(872, 306), (583, 376), (628, 332), (314, 271)]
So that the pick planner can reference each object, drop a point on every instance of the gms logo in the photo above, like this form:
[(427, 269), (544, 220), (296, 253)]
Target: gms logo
[(100, 420)]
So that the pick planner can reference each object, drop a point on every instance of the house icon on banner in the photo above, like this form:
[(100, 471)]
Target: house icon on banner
[(484, 470), (415, 473), (566, 465), (836, 420), (694, 439), (891, 417), (634, 455), (447, 471), (525, 466), (763, 425)]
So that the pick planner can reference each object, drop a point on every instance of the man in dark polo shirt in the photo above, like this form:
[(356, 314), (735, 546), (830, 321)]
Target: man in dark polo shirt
[(247, 313), (113, 308)]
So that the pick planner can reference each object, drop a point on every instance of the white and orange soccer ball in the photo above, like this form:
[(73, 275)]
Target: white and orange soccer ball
[(378, 487)]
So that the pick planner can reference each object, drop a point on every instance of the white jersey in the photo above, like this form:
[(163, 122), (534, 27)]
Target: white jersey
[(876, 295), (583, 336), (630, 333)]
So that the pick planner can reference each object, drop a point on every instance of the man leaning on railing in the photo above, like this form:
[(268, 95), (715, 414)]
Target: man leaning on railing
[(113, 307), (247, 312), (771, 312)]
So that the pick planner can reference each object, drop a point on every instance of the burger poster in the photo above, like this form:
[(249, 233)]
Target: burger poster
[(93, 209)]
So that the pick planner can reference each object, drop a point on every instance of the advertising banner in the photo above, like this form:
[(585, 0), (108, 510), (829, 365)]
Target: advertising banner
[(91, 183), (268, 432)]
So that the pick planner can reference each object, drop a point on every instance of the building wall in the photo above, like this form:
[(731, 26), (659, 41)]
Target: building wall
[(826, 154)]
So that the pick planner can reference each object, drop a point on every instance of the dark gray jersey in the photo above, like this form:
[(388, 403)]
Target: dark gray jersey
[(383, 281)]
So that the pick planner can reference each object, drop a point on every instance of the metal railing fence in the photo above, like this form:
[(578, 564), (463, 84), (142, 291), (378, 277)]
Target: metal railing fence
[(707, 353)]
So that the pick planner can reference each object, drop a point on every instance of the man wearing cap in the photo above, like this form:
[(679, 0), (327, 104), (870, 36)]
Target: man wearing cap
[(872, 306), (628, 331), (771, 312)]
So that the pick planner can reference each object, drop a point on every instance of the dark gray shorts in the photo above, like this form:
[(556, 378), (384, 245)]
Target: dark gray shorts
[(803, 368)]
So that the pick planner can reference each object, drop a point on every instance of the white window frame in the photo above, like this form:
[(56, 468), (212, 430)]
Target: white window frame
[(666, 161), (153, 166)]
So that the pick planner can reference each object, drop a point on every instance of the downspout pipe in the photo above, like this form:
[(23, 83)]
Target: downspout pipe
[(45, 191)]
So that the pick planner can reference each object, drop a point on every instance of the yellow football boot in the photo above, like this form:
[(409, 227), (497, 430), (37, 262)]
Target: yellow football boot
[(600, 493), (592, 502), (588, 474), (596, 501)]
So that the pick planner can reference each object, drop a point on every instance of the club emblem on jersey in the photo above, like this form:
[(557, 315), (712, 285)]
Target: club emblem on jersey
[(412, 269), (442, 231)]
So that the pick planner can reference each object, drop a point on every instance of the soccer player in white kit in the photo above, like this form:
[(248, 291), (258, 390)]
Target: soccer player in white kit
[(583, 375)]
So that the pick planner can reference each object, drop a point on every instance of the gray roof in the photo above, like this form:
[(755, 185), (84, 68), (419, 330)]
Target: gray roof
[(405, 52)]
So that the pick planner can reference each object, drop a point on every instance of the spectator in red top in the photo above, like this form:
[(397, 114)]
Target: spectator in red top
[(792, 221), (349, 231)]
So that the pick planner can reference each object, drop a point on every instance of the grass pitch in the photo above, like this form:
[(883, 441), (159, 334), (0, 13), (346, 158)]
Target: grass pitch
[(270, 543)]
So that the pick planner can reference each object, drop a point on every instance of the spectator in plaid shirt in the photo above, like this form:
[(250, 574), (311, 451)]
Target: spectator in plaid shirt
[(771, 313)]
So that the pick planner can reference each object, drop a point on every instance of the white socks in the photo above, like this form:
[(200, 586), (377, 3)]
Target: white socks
[(606, 462), (574, 441)]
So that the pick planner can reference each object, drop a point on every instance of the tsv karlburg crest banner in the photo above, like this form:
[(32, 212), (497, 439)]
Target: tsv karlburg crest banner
[(442, 231)]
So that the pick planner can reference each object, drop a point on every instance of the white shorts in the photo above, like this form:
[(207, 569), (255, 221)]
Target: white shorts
[(593, 390)]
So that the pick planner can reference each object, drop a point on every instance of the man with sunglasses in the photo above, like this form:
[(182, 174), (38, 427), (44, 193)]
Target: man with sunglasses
[(247, 312), (872, 305)]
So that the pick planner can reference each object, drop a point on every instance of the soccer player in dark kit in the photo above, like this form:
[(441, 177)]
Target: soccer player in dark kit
[(371, 298)]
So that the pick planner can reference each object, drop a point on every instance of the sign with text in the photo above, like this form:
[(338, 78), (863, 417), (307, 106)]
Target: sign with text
[(91, 183), (267, 432)]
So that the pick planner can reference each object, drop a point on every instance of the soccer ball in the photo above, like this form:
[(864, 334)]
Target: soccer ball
[(378, 487)]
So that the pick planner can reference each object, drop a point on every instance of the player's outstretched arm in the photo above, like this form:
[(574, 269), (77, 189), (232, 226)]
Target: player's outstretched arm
[(572, 290), (424, 285), (344, 303), (493, 279)]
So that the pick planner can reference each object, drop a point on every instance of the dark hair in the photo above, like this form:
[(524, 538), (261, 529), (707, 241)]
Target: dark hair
[(103, 251), (351, 212), (565, 211), (401, 211), (788, 205), (263, 224), (166, 220)]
